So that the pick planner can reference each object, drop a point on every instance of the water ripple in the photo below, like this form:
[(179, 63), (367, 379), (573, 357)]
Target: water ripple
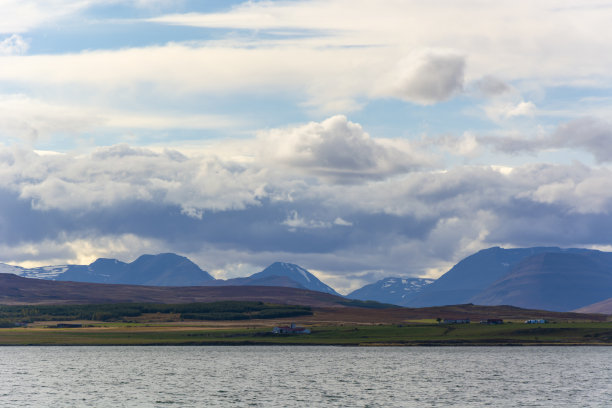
[(305, 376)]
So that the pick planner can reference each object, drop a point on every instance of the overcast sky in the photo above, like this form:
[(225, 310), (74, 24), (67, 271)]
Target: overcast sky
[(359, 139)]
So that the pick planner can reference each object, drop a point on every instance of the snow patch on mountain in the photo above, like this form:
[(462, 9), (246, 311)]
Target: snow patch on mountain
[(42, 272), (391, 290)]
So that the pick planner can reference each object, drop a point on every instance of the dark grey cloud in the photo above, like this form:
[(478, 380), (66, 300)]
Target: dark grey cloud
[(589, 134), (20, 223), (428, 77), (490, 86)]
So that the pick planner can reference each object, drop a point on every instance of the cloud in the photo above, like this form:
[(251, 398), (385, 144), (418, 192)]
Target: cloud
[(282, 164), (31, 119), (13, 45), (223, 212), (336, 148), (342, 222), (402, 27), (466, 145), (490, 86), (522, 109), (302, 52), (121, 174), (426, 78), (589, 134), (19, 16), (294, 221), (504, 110), (323, 79), (79, 249)]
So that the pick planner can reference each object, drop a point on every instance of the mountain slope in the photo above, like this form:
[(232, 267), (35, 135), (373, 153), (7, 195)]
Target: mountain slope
[(475, 273), (281, 281), (604, 307), (280, 274), (553, 281), (165, 270), (397, 291)]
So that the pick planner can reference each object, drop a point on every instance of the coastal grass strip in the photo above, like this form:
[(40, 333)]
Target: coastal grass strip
[(417, 334)]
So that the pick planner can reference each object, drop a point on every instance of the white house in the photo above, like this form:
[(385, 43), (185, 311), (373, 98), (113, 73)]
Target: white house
[(536, 321)]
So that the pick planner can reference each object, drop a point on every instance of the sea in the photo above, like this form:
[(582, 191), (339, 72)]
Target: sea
[(305, 376)]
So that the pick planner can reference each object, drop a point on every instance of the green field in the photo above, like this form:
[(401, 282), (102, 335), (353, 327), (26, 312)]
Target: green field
[(363, 335)]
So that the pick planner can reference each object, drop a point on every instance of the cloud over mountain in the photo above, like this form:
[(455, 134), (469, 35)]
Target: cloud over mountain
[(316, 194)]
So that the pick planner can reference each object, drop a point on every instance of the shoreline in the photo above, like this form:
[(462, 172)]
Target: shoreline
[(379, 345)]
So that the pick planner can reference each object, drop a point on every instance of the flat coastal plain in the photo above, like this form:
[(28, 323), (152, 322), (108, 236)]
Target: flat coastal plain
[(330, 326)]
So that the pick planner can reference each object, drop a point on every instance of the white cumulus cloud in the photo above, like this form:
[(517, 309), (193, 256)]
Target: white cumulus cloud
[(337, 148)]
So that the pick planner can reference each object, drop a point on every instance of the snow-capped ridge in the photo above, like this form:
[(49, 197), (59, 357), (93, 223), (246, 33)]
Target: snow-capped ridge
[(392, 290), (296, 273)]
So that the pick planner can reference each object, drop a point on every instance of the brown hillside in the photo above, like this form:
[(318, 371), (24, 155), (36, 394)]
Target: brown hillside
[(15, 290)]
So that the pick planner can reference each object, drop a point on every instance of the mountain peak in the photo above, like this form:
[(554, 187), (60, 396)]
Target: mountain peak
[(296, 273)]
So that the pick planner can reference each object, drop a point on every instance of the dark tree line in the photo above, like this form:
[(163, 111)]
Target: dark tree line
[(227, 310)]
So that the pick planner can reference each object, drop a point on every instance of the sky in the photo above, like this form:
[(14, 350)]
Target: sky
[(359, 139)]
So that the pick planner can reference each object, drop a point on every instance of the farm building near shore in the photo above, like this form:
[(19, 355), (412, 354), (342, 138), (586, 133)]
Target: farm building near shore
[(455, 321), (293, 329), (492, 321)]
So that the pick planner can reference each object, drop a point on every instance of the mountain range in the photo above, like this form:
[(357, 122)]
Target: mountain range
[(153, 270), (170, 270), (547, 278)]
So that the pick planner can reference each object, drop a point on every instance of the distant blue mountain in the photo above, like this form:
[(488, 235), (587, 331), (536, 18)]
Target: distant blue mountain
[(559, 281), (297, 274), (280, 274), (396, 291), (520, 277), (154, 270), (472, 275)]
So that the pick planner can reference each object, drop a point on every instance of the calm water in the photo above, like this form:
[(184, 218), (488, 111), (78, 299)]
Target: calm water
[(305, 376)]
